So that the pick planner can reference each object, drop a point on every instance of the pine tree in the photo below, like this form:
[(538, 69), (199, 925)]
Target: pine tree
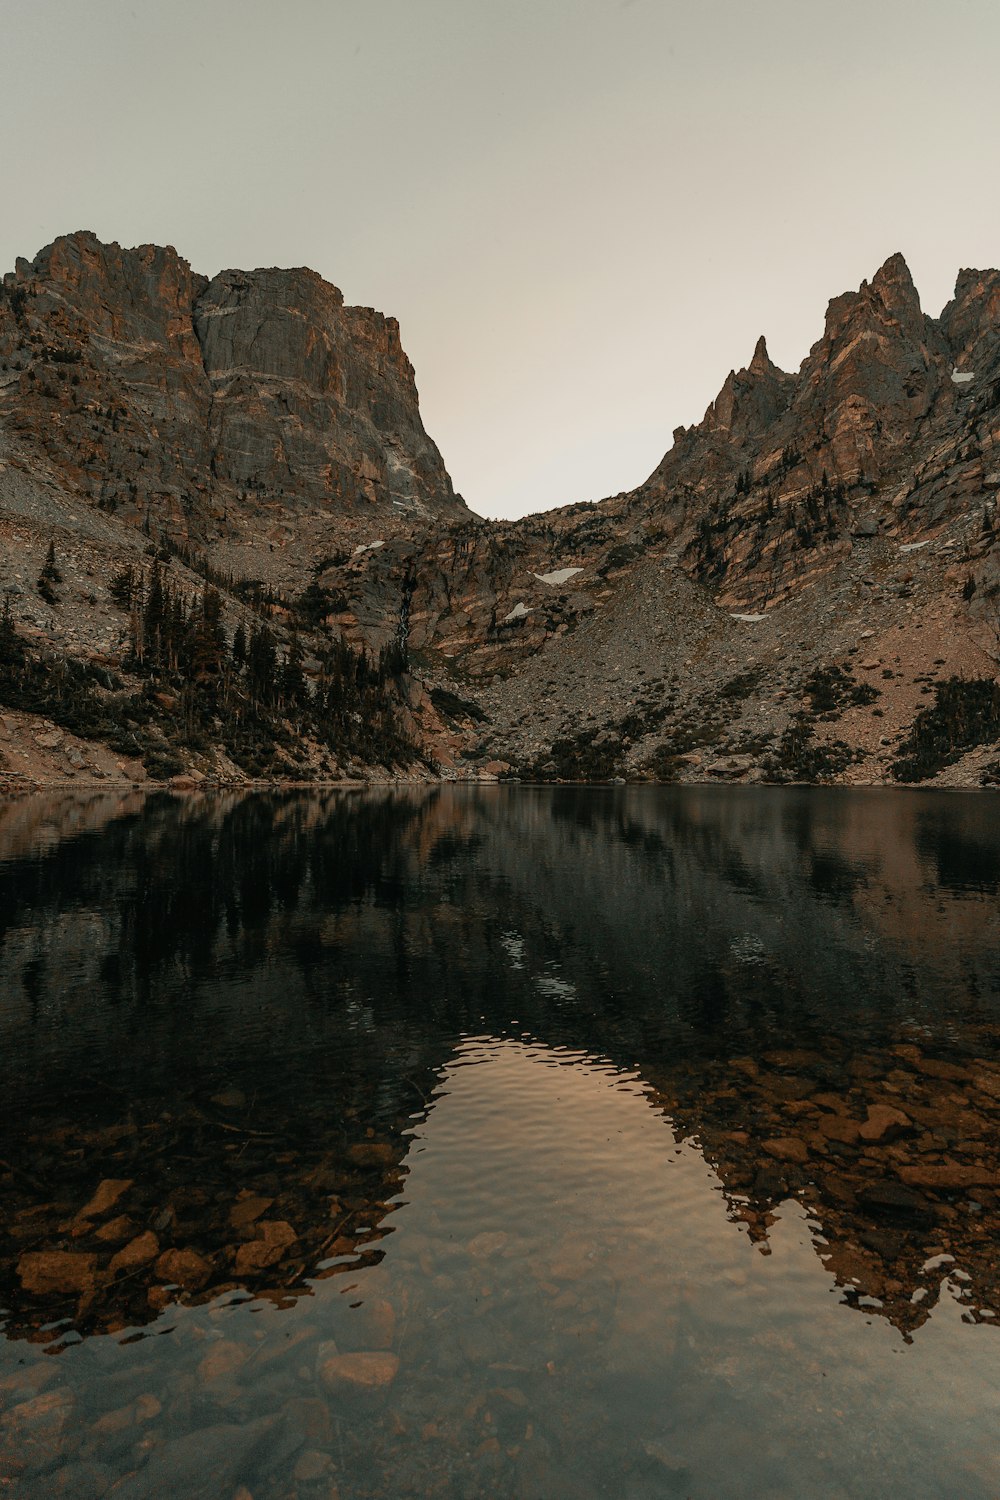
[(292, 682), (262, 665), (11, 646), (207, 638), (49, 576), (154, 615)]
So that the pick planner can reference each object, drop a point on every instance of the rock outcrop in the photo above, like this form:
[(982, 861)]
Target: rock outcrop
[(196, 408)]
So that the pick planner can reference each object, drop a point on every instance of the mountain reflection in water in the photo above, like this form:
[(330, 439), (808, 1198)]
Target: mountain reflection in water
[(508, 1140)]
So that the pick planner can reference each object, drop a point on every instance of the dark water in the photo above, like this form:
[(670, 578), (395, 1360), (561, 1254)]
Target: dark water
[(502, 1142)]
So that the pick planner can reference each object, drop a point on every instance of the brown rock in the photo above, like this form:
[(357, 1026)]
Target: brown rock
[(246, 1210), (950, 1176), (138, 1252), (884, 1123), (46, 1272), (185, 1268), (838, 1128), (490, 1242), (223, 1359), (105, 1198), (35, 1429), (143, 1409), (364, 1372), (786, 1148), (276, 1239), (115, 1229), (372, 1154)]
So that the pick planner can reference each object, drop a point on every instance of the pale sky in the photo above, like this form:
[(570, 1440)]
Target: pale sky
[(582, 212)]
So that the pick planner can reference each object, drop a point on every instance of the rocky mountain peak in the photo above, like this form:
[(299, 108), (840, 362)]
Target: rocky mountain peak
[(761, 364), (971, 320), (176, 400), (885, 306), (894, 283)]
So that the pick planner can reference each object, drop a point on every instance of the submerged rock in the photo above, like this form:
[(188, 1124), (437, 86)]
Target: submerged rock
[(107, 1195), (43, 1272), (367, 1371), (186, 1268)]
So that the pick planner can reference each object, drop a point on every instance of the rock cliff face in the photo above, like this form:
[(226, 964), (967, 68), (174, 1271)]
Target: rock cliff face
[(834, 525), (194, 407), (808, 514)]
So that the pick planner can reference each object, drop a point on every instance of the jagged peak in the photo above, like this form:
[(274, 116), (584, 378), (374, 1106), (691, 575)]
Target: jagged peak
[(892, 287), (970, 280), (762, 363), (893, 272), (894, 284)]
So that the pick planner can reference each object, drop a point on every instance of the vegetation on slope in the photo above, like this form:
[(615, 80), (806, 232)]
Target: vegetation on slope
[(186, 689), (965, 713)]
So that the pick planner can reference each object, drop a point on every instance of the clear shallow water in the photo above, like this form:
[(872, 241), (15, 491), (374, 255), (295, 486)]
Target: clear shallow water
[(568, 1101)]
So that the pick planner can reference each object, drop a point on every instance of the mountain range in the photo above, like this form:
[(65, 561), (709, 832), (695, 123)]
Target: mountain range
[(806, 588)]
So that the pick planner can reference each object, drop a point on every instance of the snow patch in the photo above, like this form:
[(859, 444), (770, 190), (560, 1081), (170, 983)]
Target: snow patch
[(559, 576), (915, 546), (517, 613), (368, 547), (748, 619), (962, 377)]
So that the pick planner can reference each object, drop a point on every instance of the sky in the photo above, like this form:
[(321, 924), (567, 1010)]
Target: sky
[(582, 212)]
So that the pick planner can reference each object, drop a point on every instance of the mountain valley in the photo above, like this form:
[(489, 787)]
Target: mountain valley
[(807, 588)]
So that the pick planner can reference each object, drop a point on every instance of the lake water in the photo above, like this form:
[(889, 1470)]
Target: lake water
[(506, 1141)]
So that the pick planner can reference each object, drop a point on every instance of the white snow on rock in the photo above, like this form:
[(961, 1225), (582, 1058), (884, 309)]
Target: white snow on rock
[(962, 377), (368, 547), (915, 546), (559, 576), (748, 619), (517, 613)]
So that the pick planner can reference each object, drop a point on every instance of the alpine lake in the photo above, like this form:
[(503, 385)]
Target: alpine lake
[(501, 1141)]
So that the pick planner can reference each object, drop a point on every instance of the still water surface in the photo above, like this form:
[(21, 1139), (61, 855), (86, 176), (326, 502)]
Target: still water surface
[(513, 1142)]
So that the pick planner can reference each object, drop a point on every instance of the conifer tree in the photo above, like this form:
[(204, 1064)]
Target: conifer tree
[(292, 682), (49, 576)]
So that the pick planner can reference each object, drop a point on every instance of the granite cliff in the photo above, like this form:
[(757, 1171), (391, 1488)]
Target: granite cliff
[(807, 586)]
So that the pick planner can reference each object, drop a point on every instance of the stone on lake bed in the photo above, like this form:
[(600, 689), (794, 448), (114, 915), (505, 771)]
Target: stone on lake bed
[(35, 1429), (838, 1128), (138, 1252), (787, 1148), (370, 1370), (107, 1195), (121, 1228), (44, 1272), (311, 1465), (276, 1237), (186, 1268), (953, 1176), (245, 1210), (372, 1154), (490, 1242), (143, 1409), (884, 1123), (230, 1099), (222, 1359)]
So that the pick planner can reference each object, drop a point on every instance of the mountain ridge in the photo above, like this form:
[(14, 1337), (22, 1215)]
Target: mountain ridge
[(262, 433)]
